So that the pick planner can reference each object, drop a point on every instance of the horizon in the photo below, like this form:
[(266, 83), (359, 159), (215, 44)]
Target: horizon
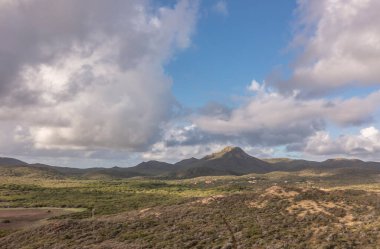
[(104, 83), (198, 158)]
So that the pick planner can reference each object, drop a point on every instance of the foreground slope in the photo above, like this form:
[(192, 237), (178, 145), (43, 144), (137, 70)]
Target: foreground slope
[(275, 217), (311, 208)]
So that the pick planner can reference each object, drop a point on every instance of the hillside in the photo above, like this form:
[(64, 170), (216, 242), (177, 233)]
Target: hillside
[(7, 161), (274, 217), (229, 161)]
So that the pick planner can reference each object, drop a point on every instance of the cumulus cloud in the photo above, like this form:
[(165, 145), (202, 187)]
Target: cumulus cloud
[(341, 46), (366, 144), (88, 74), (187, 140), (161, 152), (86, 78), (273, 119), (180, 142)]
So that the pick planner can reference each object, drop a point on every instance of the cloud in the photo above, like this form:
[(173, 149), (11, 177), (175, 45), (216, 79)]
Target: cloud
[(255, 86), (272, 119), (366, 144), (161, 152), (89, 74), (86, 78), (340, 41), (221, 8), (181, 141)]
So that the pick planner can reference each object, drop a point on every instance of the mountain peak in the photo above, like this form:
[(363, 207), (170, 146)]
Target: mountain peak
[(228, 151)]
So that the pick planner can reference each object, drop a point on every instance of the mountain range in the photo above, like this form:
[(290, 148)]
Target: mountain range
[(229, 161)]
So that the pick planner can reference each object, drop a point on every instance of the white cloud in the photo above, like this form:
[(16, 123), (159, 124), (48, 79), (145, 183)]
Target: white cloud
[(180, 142), (221, 7), (89, 74), (370, 132), (255, 86), (86, 77), (366, 144), (341, 41), (161, 152), (273, 119)]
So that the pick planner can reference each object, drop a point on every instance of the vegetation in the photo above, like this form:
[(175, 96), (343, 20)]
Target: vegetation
[(305, 209), (106, 197)]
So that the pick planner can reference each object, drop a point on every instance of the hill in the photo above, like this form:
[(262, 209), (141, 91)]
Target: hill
[(7, 161), (229, 161)]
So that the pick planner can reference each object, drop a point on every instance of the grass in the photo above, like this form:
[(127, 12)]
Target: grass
[(114, 196), (167, 213), (106, 197), (370, 187)]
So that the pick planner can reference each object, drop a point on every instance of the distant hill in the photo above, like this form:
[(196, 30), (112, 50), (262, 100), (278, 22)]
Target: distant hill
[(30, 171), (152, 168), (187, 162), (276, 160), (229, 161), (293, 164), (7, 161)]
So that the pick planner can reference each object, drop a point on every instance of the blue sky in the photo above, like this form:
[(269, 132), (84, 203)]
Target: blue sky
[(103, 83), (229, 50)]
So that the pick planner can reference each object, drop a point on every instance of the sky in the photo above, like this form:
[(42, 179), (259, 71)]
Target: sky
[(95, 83)]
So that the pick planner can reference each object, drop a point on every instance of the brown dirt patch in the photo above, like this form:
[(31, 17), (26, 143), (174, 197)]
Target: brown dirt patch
[(309, 206), (14, 218), (279, 192), (259, 204), (301, 208), (148, 212), (210, 199)]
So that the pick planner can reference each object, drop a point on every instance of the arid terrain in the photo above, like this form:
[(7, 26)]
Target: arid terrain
[(15, 218), (307, 208)]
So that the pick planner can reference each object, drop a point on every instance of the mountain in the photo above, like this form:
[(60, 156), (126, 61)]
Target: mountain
[(187, 162), (7, 161), (342, 162), (229, 161), (152, 168), (286, 164), (114, 172), (31, 171), (335, 166)]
